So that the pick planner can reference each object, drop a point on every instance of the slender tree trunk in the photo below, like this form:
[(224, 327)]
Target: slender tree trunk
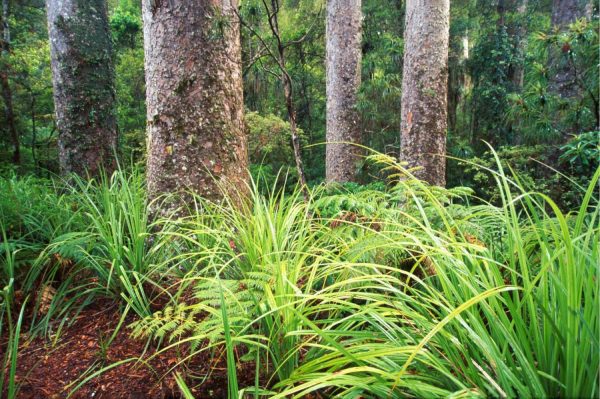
[(84, 89), (33, 130), (287, 92), (278, 55), (195, 109), (501, 10), (5, 83), (304, 89), (344, 55), (289, 103), (517, 71), (457, 79), (424, 89)]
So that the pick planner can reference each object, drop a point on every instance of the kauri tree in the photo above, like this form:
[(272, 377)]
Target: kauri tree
[(424, 89), (344, 54), (5, 83), (195, 108), (83, 79)]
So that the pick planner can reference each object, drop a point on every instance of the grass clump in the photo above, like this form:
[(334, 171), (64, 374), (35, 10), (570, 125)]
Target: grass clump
[(418, 294), (396, 290)]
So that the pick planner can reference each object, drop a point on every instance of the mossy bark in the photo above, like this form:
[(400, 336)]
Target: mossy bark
[(344, 55), (425, 89), (562, 79), (196, 137), (84, 85)]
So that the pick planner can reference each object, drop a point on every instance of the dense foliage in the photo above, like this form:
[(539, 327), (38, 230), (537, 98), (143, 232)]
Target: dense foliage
[(375, 292), (384, 288), (487, 100)]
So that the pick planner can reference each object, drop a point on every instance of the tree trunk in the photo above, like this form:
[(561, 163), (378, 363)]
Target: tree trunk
[(5, 83), (287, 92), (565, 12), (196, 136), (563, 80), (457, 80), (424, 89), (84, 89), (344, 55), (517, 70), (33, 130)]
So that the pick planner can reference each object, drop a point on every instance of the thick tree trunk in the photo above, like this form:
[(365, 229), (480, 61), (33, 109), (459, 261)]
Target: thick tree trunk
[(196, 137), (563, 80), (5, 83), (424, 88), (565, 12), (344, 55), (83, 79), (517, 71)]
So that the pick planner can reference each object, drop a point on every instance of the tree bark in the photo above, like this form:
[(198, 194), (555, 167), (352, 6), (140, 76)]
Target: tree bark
[(517, 70), (424, 89), (84, 89), (343, 66), (196, 136), (563, 80), (33, 130), (457, 80), (5, 83)]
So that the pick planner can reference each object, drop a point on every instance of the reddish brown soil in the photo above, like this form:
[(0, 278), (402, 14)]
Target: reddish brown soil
[(52, 371)]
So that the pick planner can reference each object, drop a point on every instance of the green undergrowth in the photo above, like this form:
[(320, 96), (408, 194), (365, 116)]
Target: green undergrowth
[(389, 290)]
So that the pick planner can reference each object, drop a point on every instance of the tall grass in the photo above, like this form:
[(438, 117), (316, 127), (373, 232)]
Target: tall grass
[(411, 291), (11, 328), (426, 298), (79, 240), (118, 249), (517, 317)]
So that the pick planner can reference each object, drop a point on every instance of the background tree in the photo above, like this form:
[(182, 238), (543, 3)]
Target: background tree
[(284, 55), (126, 28), (486, 100), (344, 54), (7, 95), (563, 76), (563, 80), (424, 89), (196, 138), (381, 81), (519, 30), (83, 78), (277, 53)]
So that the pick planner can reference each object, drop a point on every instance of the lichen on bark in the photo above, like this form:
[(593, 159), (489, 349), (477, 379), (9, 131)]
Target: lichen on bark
[(196, 137), (424, 89), (344, 55), (84, 89)]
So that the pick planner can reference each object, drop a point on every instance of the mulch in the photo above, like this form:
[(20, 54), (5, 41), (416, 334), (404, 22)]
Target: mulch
[(52, 370)]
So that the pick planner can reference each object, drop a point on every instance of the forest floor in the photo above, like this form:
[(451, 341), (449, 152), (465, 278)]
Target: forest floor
[(46, 370)]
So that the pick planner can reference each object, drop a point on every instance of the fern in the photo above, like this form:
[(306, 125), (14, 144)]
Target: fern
[(203, 320)]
